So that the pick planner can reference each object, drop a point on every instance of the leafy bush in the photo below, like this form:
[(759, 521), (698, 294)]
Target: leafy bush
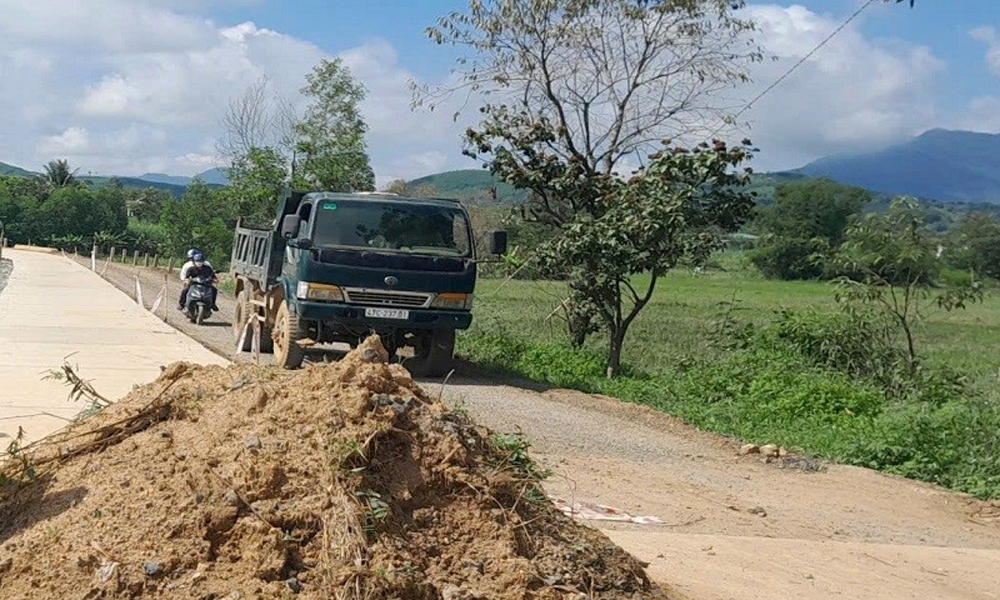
[(845, 342), (789, 258)]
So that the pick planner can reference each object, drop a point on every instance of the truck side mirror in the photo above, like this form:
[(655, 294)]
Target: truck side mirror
[(290, 226), (498, 242)]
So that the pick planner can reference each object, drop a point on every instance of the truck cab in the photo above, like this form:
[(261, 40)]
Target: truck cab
[(336, 267)]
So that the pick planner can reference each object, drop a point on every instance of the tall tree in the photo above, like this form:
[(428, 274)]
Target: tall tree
[(580, 92), (806, 219), (58, 174), (330, 147), (975, 245)]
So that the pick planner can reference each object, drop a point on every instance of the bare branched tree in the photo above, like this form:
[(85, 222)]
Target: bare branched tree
[(248, 121), (614, 77), (578, 93)]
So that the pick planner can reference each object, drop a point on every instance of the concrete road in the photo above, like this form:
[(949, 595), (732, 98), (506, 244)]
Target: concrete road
[(54, 309)]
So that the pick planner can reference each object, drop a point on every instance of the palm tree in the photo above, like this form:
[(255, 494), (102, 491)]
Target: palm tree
[(58, 174)]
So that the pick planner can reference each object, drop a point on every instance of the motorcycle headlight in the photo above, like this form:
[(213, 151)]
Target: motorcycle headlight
[(319, 292), (452, 301)]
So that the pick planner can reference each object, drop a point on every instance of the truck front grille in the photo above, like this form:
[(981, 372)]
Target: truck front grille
[(387, 298)]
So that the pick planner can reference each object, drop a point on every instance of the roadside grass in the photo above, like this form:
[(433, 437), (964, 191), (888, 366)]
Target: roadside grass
[(943, 431)]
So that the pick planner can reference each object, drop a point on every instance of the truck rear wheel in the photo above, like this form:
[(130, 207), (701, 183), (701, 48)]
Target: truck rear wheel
[(434, 354), (243, 311), (287, 332)]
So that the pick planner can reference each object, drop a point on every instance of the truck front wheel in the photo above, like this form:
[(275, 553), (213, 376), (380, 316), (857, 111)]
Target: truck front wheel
[(287, 331), (433, 354)]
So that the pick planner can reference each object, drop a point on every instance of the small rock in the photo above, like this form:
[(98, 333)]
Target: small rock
[(472, 565), (293, 584), (252, 443), (232, 498), (5, 565), (710, 553), (809, 576), (769, 450), (782, 452), (152, 569), (749, 449), (453, 592), (233, 596), (757, 510), (107, 571)]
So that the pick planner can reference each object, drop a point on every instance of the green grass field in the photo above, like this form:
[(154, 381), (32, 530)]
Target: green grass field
[(944, 433), (674, 326)]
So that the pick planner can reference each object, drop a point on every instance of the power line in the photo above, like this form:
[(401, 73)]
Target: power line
[(802, 60)]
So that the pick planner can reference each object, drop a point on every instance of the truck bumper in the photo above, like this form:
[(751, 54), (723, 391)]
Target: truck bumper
[(354, 316)]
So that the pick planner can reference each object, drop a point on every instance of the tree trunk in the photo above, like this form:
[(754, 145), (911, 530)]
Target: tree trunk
[(617, 341)]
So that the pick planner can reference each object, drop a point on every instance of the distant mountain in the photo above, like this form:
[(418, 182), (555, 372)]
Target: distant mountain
[(949, 166), (215, 176), (162, 178), (468, 184), (12, 171), (211, 177)]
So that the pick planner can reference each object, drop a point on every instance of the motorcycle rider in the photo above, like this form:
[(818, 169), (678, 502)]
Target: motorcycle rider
[(197, 266)]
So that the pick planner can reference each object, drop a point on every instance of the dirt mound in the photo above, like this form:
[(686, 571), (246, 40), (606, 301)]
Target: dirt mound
[(337, 481)]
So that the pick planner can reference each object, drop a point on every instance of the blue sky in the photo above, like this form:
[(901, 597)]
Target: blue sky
[(129, 86)]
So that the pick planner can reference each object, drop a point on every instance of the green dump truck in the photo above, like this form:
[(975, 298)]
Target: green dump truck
[(337, 267)]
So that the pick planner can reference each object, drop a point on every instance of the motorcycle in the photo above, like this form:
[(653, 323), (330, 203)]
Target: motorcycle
[(201, 291)]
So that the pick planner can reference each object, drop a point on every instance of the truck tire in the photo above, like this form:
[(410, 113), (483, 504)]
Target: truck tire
[(434, 356), (287, 331), (243, 311)]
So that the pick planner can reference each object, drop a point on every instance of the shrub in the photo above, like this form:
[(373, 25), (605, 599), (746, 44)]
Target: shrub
[(789, 258)]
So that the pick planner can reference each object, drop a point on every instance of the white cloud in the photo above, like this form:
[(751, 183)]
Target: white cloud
[(854, 94), (128, 86), (74, 141), (982, 115), (990, 37), (404, 144)]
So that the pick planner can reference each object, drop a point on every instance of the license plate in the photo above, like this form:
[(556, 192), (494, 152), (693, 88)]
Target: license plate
[(387, 313)]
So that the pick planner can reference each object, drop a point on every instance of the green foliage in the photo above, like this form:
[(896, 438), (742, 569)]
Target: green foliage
[(146, 204), (331, 136), (257, 179), (807, 219), (845, 342), (975, 245), (146, 237), (790, 258), (200, 219), (513, 454), (58, 174), (17, 467), (890, 262), (669, 211), (32, 210), (472, 186)]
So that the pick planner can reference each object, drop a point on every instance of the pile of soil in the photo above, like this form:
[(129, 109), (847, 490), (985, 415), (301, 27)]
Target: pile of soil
[(337, 481)]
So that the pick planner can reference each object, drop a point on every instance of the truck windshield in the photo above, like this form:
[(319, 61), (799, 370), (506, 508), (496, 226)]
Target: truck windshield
[(392, 227)]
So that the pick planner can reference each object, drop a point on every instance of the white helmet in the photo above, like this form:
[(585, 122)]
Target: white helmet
[(192, 252)]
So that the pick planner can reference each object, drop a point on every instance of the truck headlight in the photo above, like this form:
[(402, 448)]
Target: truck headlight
[(452, 301), (320, 292)]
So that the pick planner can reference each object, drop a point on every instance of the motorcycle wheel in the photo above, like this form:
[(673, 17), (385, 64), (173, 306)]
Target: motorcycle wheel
[(200, 318)]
